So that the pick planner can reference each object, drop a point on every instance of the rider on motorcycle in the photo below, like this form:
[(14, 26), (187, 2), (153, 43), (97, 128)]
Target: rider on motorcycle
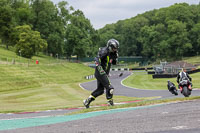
[(171, 87), (183, 76)]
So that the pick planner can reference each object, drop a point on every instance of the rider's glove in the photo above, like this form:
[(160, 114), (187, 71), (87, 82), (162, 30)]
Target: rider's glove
[(100, 69)]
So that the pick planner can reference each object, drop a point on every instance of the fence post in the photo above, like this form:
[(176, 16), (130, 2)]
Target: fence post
[(28, 62), (13, 61)]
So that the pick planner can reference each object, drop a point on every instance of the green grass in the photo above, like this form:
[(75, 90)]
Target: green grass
[(192, 60), (142, 80), (41, 86), (52, 84), (7, 57)]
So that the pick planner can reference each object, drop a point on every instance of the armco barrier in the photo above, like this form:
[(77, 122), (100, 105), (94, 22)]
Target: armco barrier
[(172, 75), (164, 76), (194, 71), (113, 69), (149, 68), (151, 72), (120, 69), (90, 77)]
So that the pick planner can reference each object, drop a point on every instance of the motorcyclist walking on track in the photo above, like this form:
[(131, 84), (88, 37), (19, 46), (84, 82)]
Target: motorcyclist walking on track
[(106, 56)]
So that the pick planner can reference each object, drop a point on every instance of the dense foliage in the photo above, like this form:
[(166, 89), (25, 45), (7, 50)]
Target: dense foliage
[(167, 33), (57, 29), (32, 26)]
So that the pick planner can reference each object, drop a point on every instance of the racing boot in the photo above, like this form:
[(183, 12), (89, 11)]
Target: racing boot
[(110, 102), (87, 102)]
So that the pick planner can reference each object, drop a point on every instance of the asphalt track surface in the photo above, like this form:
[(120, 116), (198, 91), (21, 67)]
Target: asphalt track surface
[(123, 90), (182, 117)]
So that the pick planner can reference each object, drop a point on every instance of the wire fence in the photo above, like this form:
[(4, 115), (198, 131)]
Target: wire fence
[(31, 62)]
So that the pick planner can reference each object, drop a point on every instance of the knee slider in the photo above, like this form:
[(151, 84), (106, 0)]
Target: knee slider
[(111, 89)]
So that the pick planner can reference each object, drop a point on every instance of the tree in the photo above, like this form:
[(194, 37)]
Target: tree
[(167, 33), (6, 21), (131, 36), (29, 42), (153, 40), (48, 22), (195, 39), (58, 43), (178, 39), (21, 11), (78, 35), (181, 12)]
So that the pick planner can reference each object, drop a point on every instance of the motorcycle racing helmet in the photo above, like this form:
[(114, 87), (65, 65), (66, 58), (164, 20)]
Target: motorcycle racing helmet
[(113, 45)]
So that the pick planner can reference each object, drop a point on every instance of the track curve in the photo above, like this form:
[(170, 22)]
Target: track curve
[(160, 118), (123, 90)]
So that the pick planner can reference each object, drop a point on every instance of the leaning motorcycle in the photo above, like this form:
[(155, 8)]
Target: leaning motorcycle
[(185, 87), (172, 88), (174, 91)]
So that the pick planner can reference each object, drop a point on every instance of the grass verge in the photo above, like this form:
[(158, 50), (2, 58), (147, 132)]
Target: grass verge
[(135, 104), (142, 80)]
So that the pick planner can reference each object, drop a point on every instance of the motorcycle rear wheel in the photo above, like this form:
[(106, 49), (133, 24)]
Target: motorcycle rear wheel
[(186, 91), (175, 92)]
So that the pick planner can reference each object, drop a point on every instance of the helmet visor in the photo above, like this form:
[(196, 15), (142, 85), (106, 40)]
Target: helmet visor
[(114, 49)]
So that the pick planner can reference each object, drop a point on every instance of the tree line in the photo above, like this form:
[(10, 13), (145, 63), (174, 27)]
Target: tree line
[(33, 26), (161, 34)]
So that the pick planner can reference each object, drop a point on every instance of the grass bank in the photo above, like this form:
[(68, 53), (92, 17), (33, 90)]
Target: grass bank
[(51, 84)]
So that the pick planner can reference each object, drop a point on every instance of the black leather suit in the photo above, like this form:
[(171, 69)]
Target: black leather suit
[(103, 62)]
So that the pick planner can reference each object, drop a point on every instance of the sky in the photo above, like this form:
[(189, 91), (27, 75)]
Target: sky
[(102, 12)]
